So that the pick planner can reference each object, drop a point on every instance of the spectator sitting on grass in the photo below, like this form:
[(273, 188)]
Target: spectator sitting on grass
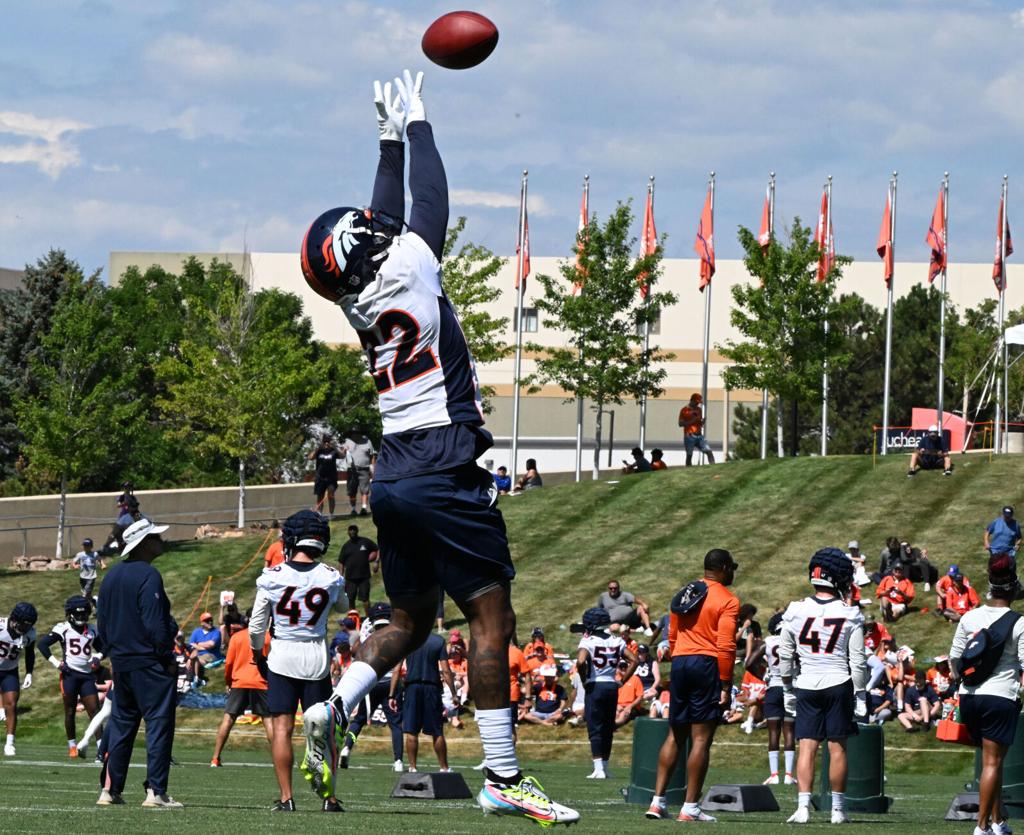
[(960, 598), (880, 702), (658, 460), (860, 574), (640, 463), (940, 678), (531, 479), (944, 585), (205, 643), (631, 694), (895, 594), (502, 480), (647, 671), (460, 670), (890, 554), (549, 699), (659, 706), (752, 691), (619, 605), (537, 642), (748, 634), (577, 704), (902, 675), (931, 454), (918, 702)]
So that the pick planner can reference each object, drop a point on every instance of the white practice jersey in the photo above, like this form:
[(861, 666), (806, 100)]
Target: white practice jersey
[(299, 601), (827, 639), (772, 646), (12, 647), (77, 647), (605, 652), (418, 356)]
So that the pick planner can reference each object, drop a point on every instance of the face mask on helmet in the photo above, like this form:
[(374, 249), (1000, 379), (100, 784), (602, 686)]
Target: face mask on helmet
[(77, 610), (23, 618)]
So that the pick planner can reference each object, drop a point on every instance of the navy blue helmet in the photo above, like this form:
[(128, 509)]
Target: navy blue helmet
[(23, 618), (595, 619), (306, 531), (830, 568), (78, 609)]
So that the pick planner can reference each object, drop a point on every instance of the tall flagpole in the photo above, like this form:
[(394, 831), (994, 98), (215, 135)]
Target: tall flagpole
[(520, 292), (707, 319), (1001, 379), (764, 392), (829, 246), (942, 303), (888, 316), (579, 400), (647, 334), (1002, 323)]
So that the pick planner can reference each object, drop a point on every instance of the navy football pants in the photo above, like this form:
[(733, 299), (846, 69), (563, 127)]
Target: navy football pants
[(599, 711), (150, 694)]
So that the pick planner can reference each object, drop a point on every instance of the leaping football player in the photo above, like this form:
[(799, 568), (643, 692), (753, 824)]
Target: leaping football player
[(826, 637), (435, 509), (17, 638), (298, 595), (80, 659)]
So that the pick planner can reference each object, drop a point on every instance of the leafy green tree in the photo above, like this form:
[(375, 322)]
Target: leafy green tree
[(604, 360), (80, 395), (781, 319), (467, 275)]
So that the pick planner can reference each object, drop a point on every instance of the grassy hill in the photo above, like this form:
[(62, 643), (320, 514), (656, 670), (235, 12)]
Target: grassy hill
[(650, 532)]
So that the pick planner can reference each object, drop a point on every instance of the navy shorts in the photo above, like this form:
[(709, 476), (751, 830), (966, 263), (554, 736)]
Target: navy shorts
[(284, 694), (775, 704), (825, 714), (78, 684), (422, 710), (913, 696), (9, 681), (990, 717), (441, 529), (694, 690)]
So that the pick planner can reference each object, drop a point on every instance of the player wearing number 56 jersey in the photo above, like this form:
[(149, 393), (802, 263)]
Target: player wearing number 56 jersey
[(298, 595), (826, 638)]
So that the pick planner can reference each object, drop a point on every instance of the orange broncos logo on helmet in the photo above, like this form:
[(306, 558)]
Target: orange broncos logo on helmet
[(329, 260)]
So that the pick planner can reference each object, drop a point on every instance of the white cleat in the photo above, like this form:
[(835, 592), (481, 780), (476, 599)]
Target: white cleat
[(160, 801), (597, 775), (801, 815), (109, 798), (656, 813), (398, 767), (790, 780), (979, 831), (773, 779), (9, 750), (525, 799), (1001, 828), (701, 817), (839, 816)]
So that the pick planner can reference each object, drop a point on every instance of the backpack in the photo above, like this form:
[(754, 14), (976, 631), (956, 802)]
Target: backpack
[(689, 598), (984, 649)]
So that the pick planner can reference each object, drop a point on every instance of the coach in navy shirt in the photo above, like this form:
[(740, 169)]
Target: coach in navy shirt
[(136, 625), (423, 709)]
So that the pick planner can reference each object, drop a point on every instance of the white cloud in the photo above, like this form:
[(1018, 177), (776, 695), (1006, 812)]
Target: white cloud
[(176, 54), (496, 200), (47, 146)]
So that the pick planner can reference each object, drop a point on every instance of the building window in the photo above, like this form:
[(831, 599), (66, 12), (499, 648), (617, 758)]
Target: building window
[(529, 320), (655, 326)]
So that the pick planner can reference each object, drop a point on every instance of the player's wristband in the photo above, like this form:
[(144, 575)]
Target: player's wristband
[(53, 660)]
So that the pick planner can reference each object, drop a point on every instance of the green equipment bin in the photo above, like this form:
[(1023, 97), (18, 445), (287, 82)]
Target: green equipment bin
[(865, 785), (648, 736)]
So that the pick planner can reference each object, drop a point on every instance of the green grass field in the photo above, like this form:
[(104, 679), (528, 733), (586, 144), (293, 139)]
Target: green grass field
[(650, 532)]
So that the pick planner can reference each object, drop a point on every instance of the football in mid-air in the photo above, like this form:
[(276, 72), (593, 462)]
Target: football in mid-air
[(460, 40)]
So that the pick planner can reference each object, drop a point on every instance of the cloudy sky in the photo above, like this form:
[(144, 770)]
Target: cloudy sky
[(208, 126)]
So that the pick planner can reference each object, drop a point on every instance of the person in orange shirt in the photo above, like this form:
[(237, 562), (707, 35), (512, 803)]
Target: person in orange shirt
[(658, 459), (247, 690), (275, 553), (944, 584), (702, 633), (691, 418), (960, 598), (895, 593), (520, 686), (631, 693), (537, 640), (460, 671)]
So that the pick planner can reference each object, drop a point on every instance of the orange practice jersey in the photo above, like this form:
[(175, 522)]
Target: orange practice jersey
[(239, 669), (711, 630)]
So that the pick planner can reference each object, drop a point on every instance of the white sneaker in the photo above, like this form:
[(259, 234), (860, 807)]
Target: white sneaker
[(773, 779), (701, 816), (1002, 828), (9, 750), (3, 715), (160, 801), (801, 815), (597, 775), (109, 798), (979, 831), (412, 770), (656, 813), (398, 766), (927, 586), (839, 816), (790, 780), (748, 727), (648, 632)]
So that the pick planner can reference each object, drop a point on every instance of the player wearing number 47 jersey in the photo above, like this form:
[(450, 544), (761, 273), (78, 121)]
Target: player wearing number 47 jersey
[(298, 596), (826, 638)]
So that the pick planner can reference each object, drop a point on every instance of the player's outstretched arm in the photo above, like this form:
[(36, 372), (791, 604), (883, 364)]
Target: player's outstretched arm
[(389, 184), (428, 183)]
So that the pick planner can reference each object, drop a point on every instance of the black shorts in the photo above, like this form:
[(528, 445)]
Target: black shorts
[(775, 704), (825, 714), (441, 529), (931, 460), (990, 717), (352, 483), (357, 590), (321, 486), (9, 681), (241, 699), (912, 696), (78, 684), (423, 710), (284, 694), (694, 690)]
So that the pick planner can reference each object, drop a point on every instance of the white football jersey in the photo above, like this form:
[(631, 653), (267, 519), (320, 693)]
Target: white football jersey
[(827, 639), (77, 646), (418, 356), (12, 647), (302, 599), (772, 645), (605, 652)]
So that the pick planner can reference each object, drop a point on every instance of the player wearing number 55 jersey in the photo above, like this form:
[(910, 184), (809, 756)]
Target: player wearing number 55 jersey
[(298, 596), (826, 638), (17, 638)]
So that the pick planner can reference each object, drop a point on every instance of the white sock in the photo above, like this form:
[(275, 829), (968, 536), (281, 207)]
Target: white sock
[(358, 680), (838, 801), (658, 800), (773, 762), (496, 735), (691, 808), (598, 764), (803, 799), (790, 756), (10, 739), (71, 743)]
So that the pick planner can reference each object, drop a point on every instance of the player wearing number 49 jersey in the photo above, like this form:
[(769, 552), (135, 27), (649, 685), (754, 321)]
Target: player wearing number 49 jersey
[(298, 595), (825, 637)]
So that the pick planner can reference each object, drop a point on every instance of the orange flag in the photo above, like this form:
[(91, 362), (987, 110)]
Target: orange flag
[(998, 271), (648, 239), (824, 239), (581, 273), (884, 245), (524, 262), (936, 237), (764, 237), (704, 245)]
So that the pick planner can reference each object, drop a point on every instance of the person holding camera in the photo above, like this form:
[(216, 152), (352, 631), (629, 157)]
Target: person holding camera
[(640, 463)]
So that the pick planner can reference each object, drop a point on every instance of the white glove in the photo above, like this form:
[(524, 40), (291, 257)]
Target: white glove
[(53, 660), (390, 113), (409, 91), (27, 683), (860, 706), (789, 701)]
